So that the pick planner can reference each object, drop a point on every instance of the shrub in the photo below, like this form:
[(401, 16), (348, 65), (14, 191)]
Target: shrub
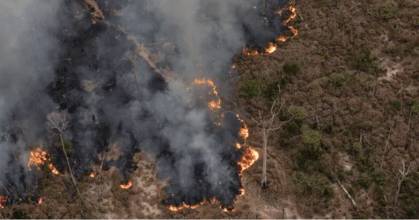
[(298, 112), (314, 185), (270, 90), (259, 88), (396, 105), (250, 89), (337, 79), (387, 12), (20, 214), (415, 107), (309, 160), (291, 69), (363, 61), (311, 137), (292, 128)]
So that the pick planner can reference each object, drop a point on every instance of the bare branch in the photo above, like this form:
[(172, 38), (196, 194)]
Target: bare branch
[(347, 193), (58, 121), (404, 171)]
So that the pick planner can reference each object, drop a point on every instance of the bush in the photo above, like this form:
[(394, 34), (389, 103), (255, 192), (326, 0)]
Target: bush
[(311, 137), (298, 112), (250, 89), (258, 88), (415, 107), (387, 12), (270, 90), (315, 185), (337, 79), (309, 160), (291, 69), (363, 61), (292, 128), (409, 196), (396, 105), (19, 214)]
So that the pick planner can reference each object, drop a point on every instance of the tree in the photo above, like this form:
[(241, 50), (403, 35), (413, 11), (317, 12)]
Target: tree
[(404, 171), (269, 123), (58, 122)]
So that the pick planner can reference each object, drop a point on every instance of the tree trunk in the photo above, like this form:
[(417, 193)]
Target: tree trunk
[(73, 179), (264, 182)]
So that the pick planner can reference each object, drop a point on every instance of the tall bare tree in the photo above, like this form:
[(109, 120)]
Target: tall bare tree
[(269, 122), (58, 122)]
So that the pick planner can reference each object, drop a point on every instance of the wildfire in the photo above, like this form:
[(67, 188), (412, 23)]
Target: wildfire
[(293, 10), (250, 156), (92, 175), (40, 201), (213, 104), (281, 39), (173, 208), (127, 185), (273, 46), (250, 52), (38, 158), (53, 169), (293, 30), (238, 146), (244, 132), (3, 200)]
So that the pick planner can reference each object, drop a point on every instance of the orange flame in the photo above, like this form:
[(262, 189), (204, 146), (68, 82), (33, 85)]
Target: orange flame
[(38, 158), (3, 200), (127, 185), (281, 39), (272, 47), (244, 133), (250, 156), (213, 104), (53, 169), (249, 52), (173, 208), (238, 146), (293, 10), (92, 175), (40, 201), (293, 30)]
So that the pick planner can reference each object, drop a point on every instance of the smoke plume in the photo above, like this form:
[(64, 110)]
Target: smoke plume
[(28, 52), (55, 59)]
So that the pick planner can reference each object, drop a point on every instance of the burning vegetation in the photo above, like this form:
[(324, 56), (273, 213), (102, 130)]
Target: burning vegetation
[(3, 200), (114, 84), (126, 185), (290, 13), (40, 158)]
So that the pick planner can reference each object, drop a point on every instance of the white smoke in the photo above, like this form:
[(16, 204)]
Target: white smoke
[(27, 49)]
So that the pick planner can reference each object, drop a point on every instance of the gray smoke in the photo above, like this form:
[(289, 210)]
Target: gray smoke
[(27, 50), (205, 35), (53, 58)]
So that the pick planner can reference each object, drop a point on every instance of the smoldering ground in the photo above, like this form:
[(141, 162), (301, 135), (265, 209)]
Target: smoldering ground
[(111, 96)]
